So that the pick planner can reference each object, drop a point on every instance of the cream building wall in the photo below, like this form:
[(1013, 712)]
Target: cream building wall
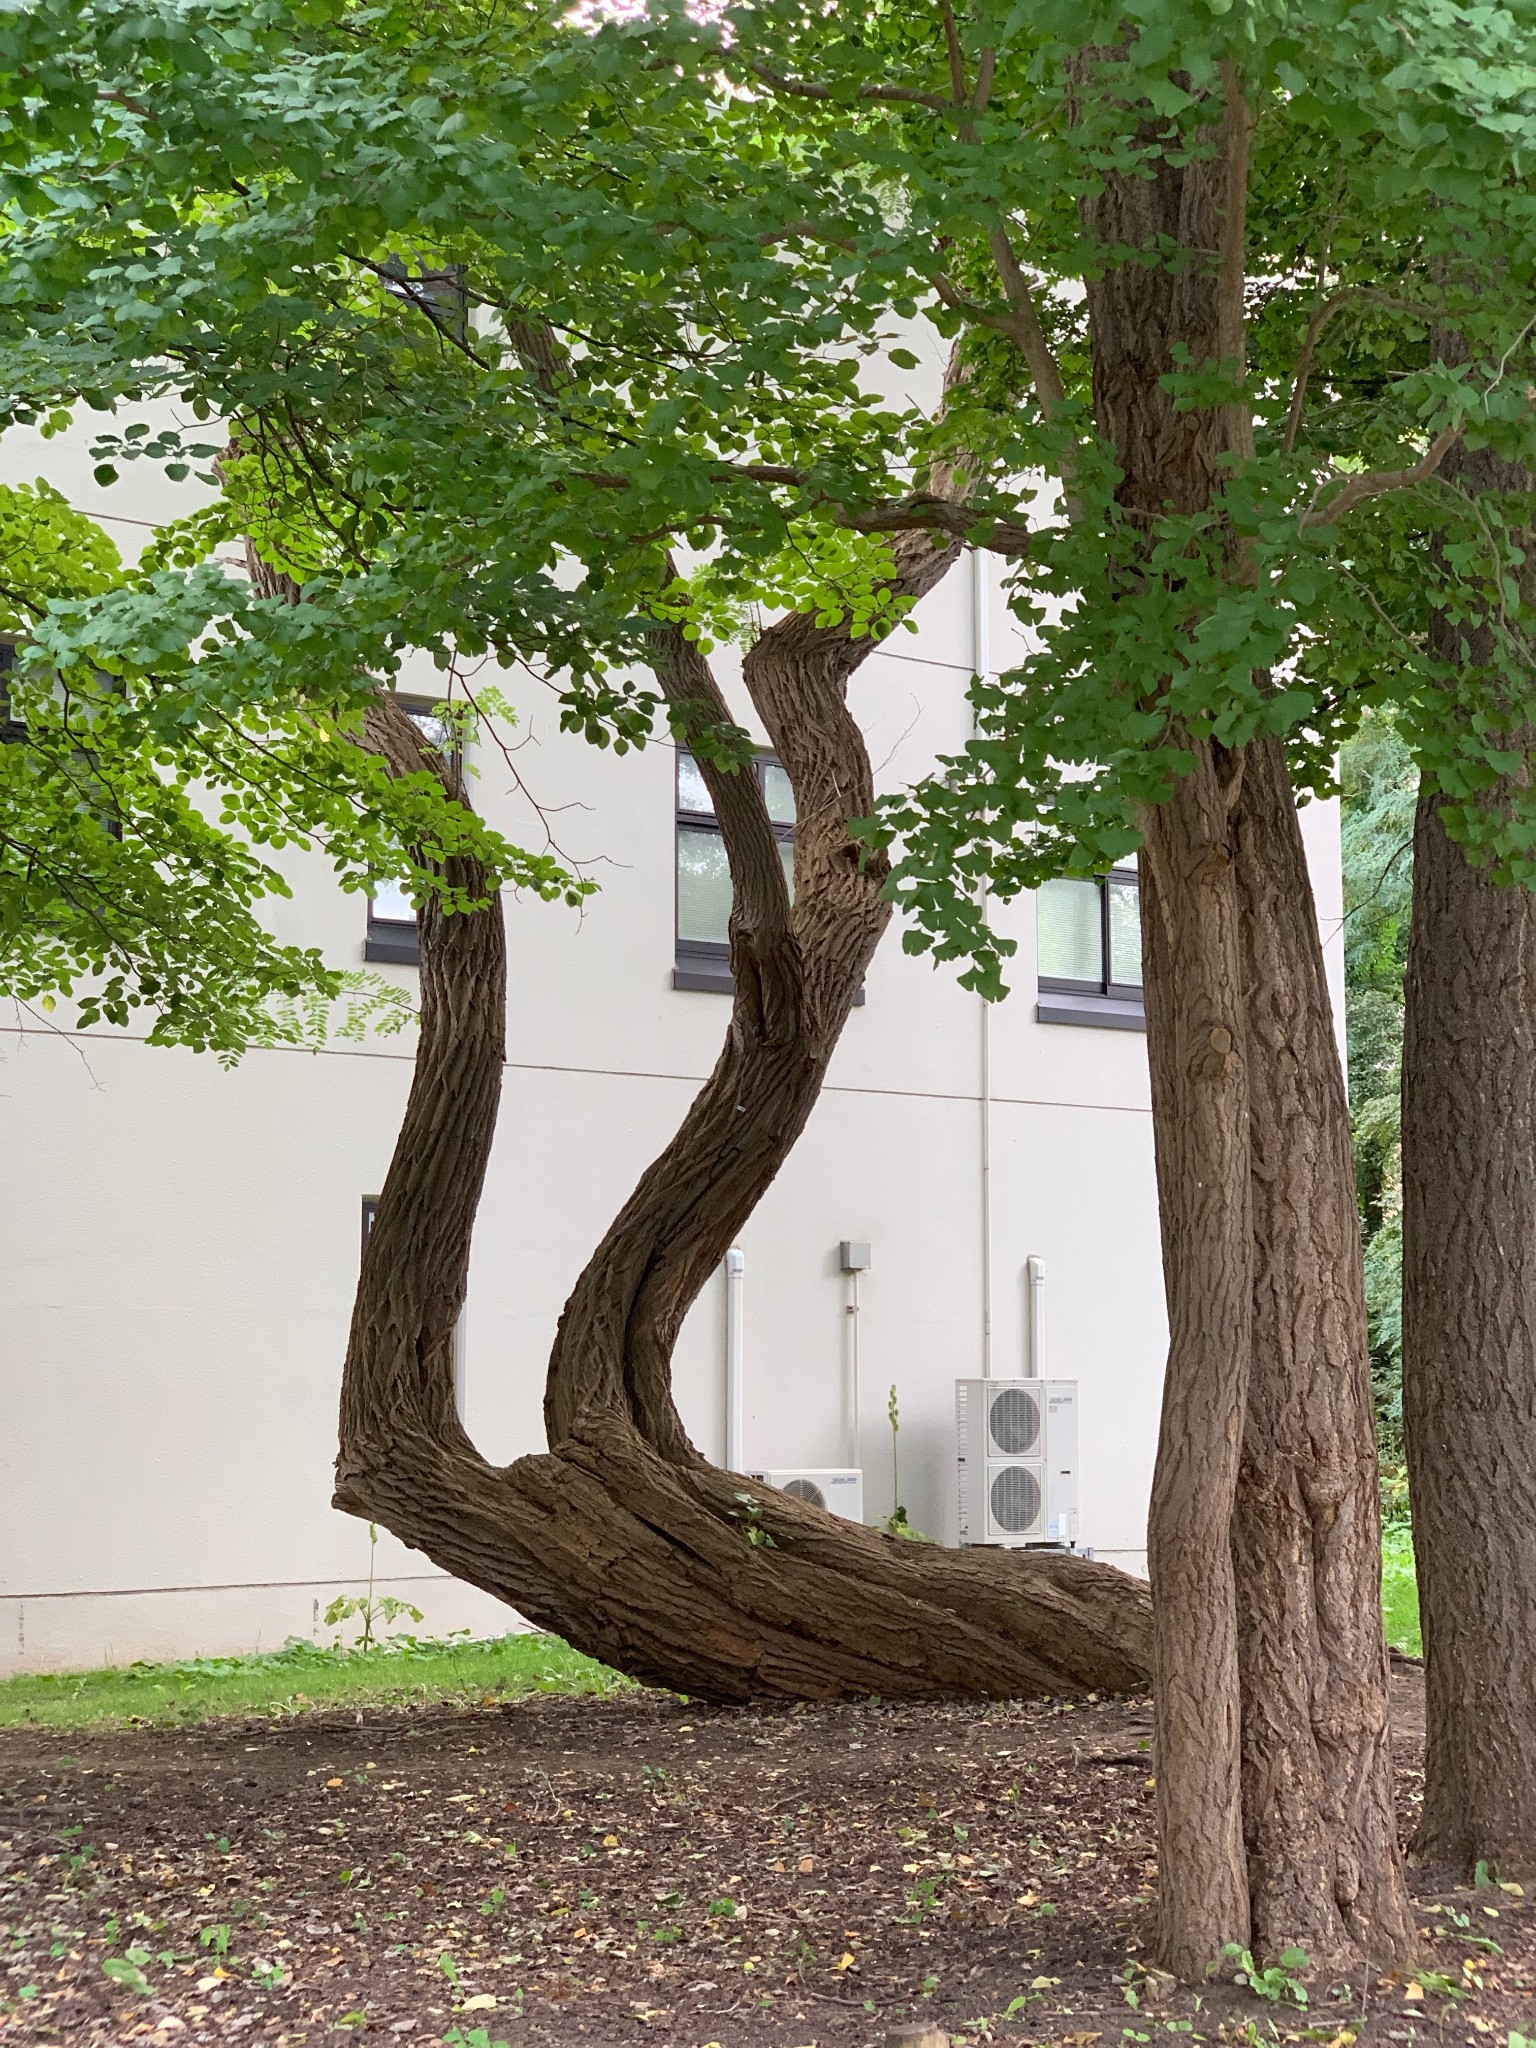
[(179, 1243)]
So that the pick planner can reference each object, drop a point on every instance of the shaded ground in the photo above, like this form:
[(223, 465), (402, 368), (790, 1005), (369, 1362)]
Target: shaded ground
[(636, 1869)]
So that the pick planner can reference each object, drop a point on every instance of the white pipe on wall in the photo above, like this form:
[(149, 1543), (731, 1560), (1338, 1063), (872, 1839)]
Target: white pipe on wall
[(853, 1361), (735, 1268), (461, 1367), (981, 663), (1034, 1269)]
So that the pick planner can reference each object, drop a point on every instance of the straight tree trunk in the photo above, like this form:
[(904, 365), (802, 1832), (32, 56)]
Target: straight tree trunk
[(1192, 963), (622, 1538), (1323, 1861), (1147, 303), (1274, 1779), (1469, 1316)]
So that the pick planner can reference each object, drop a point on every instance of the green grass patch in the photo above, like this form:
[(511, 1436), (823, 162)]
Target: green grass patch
[(300, 1676), (412, 1670), (1400, 1590)]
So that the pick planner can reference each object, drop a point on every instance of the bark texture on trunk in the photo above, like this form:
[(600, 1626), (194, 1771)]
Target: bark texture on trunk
[(1469, 1317), (622, 1538), (1324, 1866), (1274, 1807), (1146, 305), (1192, 963)]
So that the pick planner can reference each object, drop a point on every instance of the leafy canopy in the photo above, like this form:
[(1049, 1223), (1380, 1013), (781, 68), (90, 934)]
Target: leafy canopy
[(108, 872), (1388, 295), (514, 331)]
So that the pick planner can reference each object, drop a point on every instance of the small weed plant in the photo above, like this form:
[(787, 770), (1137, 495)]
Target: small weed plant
[(370, 1611), (750, 1515), (896, 1523), (1280, 1983)]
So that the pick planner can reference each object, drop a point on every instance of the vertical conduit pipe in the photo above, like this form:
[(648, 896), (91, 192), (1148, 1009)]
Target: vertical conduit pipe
[(1034, 1269), (853, 1330), (735, 1268), (981, 663), (461, 1367)]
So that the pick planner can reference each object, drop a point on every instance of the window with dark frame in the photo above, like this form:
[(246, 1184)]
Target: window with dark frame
[(13, 727), (704, 876), (1088, 952), (392, 934), (13, 732)]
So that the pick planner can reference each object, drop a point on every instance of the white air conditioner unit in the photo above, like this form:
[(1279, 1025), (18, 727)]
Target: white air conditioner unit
[(834, 1487), (1017, 1441)]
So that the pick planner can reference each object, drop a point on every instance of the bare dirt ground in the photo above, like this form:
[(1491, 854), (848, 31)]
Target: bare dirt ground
[(645, 1870)]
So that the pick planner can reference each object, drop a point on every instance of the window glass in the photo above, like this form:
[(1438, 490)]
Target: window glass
[(1124, 930), (391, 905), (778, 795), (703, 886), (435, 730), (1070, 942), (692, 794)]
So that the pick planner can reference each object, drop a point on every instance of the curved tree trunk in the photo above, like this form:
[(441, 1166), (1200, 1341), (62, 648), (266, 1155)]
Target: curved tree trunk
[(1324, 1867), (622, 1538), (1469, 1317)]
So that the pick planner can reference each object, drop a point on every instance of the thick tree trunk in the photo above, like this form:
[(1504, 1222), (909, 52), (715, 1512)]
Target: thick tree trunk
[(1469, 1347), (1143, 309), (1274, 1806), (1323, 1861), (1469, 1319), (1193, 967), (622, 1538)]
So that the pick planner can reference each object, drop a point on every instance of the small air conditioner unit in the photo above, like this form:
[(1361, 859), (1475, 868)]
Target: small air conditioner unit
[(834, 1487), (1017, 1443)]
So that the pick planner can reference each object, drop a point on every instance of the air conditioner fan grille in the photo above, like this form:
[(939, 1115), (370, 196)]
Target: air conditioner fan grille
[(1015, 1497), (806, 1489), (1013, 1421)]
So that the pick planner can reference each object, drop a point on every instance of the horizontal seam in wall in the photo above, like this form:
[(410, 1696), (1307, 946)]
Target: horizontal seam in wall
[(636, 1074), (237, 1586)]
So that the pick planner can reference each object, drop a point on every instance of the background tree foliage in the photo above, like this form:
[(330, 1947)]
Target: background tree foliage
[(1380, 788)]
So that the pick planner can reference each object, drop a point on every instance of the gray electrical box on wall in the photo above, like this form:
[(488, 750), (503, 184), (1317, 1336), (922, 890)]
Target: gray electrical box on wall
[(853, 1255)]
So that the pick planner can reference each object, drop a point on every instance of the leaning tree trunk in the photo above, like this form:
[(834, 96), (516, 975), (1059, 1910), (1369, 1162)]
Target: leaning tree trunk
[(622, 1538), (1324, 1868), (1274, 1809), (1469, 1316)]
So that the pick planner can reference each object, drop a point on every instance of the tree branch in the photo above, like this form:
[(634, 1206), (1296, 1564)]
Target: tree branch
[(1231, 332), (986, 72), (760, 924), (1304, 364), (1377, 482), (810, 89), (1025, 328), (956, 54), (1033, 346)]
